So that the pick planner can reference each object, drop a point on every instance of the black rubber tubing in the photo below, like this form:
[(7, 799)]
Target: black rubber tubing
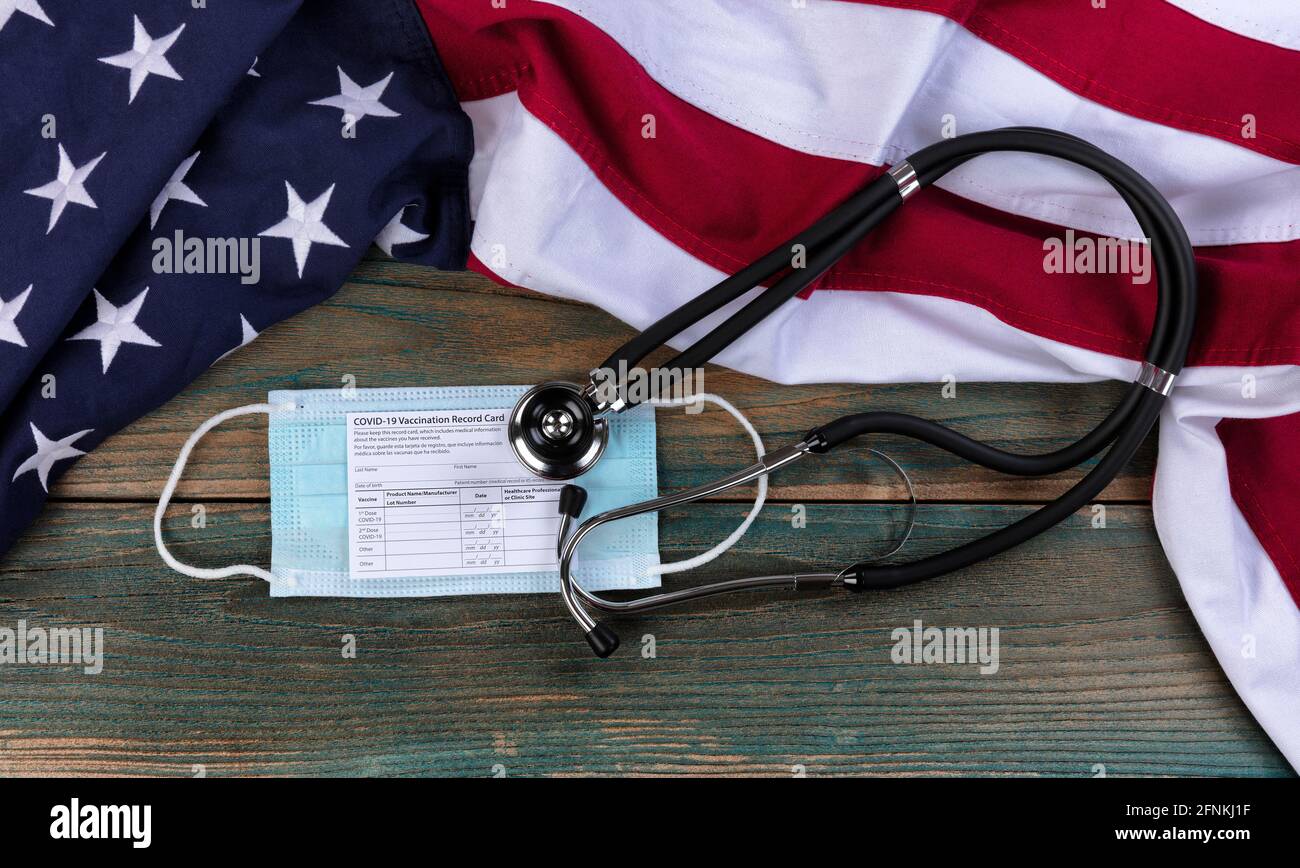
[(832, 236), (1171, 250), (870, 198), (872, 576), (1175, 310), (826, 437), (856, 216), (1128, 425), (819, 261)]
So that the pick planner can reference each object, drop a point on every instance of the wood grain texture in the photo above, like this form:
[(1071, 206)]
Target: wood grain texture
[(397, 325), (1100, 662)]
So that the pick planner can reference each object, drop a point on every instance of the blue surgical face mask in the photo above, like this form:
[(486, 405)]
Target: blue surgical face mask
[(307, 446)]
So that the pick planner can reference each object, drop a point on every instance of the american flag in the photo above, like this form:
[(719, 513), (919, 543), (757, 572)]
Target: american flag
[(131, 127), (629, 153)]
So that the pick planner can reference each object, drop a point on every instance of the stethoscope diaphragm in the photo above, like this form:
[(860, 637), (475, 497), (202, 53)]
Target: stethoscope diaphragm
[(554, 431)]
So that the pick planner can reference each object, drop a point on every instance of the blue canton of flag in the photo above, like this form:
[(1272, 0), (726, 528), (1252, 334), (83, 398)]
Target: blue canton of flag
[(128, 128)]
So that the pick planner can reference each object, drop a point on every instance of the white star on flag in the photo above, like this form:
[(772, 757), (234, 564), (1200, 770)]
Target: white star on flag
[(248, 335), (48, 452), (147, 57), (175, 189), (304, 225), (358, 102), (252, 70), (115, 326), (9, 311), (68, 186), (27, 7), (397, 232)]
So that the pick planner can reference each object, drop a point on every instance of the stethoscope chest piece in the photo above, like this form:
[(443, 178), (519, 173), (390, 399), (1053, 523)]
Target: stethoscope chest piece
[(554, 431)]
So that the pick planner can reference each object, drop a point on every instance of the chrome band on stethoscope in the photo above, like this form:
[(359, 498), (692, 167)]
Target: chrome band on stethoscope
[(1116, 439), (593, 393), (906, 179), (1156, 379)]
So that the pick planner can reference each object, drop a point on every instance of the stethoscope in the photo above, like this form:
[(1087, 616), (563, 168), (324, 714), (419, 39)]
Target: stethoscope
[(558, 430)]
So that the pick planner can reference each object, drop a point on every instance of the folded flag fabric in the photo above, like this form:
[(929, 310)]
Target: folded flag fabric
[(280, 137), (631, 153)]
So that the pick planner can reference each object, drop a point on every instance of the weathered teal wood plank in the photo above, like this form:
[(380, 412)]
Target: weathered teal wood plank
[(1100, 663)]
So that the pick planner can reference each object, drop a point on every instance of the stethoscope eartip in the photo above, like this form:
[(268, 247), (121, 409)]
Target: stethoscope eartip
[(572, 500), (602, 640)]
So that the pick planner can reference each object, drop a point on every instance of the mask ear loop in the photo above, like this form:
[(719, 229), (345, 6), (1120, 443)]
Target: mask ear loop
[(170, 489), (759, 499)]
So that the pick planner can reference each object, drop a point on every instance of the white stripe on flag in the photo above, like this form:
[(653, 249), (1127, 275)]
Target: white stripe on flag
[(1273, 21), (872, 84)]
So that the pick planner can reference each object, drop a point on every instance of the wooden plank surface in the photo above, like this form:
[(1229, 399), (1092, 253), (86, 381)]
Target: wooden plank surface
[(1101, 664)]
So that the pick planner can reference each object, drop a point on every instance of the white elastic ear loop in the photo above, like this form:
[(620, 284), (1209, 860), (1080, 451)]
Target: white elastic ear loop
[(170, 488), (759, 499)]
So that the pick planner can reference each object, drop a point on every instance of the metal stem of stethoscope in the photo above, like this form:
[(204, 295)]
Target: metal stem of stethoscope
[(601, 638)]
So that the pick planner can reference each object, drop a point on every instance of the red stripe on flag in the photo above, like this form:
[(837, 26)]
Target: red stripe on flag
[(1264, 475), (1148, 59), (726, 196)]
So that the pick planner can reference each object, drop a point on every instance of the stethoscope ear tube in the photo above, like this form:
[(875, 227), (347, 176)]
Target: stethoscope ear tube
[(869, 576), (873, 203), (1175, 260), (824, 438)]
